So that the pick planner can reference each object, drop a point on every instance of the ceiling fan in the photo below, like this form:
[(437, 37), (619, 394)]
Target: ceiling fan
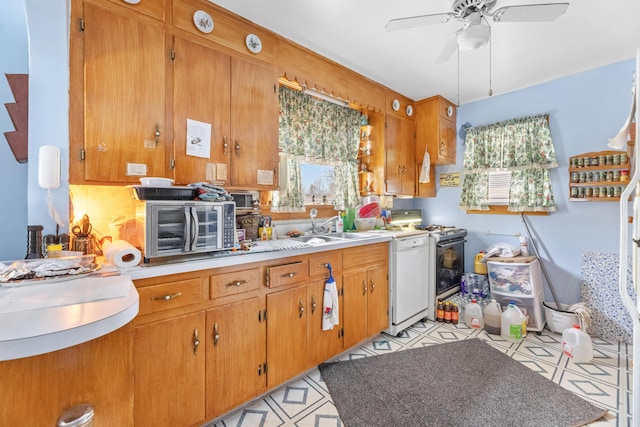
[(473, 14)]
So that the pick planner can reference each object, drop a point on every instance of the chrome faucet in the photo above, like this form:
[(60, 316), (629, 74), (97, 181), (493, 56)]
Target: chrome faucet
[(322, 228)]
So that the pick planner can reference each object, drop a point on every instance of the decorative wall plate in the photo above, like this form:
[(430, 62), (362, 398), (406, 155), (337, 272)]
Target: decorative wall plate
[(203, 21), (450, 111), (395, 105), (253, 42), (409, 110)]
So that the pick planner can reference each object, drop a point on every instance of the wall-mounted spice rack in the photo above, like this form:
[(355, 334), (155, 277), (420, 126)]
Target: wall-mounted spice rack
[(598, 176), (365, 167)]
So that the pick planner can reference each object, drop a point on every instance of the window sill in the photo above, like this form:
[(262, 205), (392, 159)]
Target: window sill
[(503, 210)]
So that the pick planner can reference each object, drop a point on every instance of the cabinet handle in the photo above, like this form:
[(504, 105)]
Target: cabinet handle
[(196, 341), (325, 265), (236, 283), (167, 297), (364, 287), (399, 170), (225, 145), (216, 335), (157, 133), (301, 308), (292, 274), (372, 285), (313, 304), (237, 148)]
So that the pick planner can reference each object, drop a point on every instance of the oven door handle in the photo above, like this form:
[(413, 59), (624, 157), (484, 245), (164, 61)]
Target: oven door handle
[(450, 243)]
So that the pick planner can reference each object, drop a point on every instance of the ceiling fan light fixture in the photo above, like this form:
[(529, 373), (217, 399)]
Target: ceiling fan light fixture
[(474, 36)]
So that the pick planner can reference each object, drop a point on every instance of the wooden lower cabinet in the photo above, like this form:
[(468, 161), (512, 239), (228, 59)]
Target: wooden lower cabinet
[(321, 345), (235, 355), (366, 301), (169, 374), (286, 334), (37, 389)]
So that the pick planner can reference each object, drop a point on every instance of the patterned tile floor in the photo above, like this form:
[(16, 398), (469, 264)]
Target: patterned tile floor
[(606, 381)]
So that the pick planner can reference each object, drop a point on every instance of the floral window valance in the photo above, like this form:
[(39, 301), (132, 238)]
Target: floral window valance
[(523, 146), (321, 132)]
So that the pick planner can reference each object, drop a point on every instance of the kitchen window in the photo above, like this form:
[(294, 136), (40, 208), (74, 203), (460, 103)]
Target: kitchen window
[(313, 131), (518, 153)]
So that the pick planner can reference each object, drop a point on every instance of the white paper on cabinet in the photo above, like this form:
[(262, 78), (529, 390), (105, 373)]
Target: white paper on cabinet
[(198, 139)]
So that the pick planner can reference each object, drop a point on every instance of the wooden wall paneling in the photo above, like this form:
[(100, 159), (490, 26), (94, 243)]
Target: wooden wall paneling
[(19, 113), (310, 69)]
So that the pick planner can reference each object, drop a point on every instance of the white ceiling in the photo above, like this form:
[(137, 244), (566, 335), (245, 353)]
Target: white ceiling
[(592, 33)]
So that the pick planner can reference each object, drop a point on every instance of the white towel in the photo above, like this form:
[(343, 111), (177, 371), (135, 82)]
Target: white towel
[(330, 305), (426, 169)]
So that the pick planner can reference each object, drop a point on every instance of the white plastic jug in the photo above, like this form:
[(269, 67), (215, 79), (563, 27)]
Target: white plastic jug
[(511, 325), (577, 344), (492, 317), (473, 315)]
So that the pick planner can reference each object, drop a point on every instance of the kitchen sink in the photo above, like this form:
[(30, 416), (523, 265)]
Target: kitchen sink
[(351, 236), (317, 238)]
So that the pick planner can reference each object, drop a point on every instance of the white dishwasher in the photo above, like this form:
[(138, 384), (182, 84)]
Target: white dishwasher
[(408, 280)]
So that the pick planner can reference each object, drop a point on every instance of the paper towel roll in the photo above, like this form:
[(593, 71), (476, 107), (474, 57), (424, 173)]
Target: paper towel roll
[(121, 254)]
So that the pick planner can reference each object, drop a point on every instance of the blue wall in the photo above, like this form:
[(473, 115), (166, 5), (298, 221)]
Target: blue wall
[(585, 110), (13, 178)]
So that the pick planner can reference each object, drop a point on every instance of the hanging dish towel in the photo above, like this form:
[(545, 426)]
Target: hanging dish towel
[(330, 303), (426, 168)]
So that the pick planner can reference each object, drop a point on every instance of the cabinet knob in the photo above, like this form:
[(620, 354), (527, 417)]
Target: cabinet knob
[(364, 287), (236, 283), (300, 308), (237, 148), (167, 297), (225, 146), (313, 304), (372, 285)]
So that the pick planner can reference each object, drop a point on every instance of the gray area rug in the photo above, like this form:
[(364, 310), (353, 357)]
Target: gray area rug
[(463, 383)]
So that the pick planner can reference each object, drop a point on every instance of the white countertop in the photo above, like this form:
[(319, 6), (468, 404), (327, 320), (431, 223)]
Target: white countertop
[(34, 330), (216, 259)]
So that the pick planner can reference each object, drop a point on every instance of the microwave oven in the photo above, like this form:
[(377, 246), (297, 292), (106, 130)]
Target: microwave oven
[(170, 228), (246, 201)]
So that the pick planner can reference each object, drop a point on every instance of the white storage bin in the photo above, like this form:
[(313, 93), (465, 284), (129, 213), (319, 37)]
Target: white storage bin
[(530, 306), (515, 278), (519, 279)]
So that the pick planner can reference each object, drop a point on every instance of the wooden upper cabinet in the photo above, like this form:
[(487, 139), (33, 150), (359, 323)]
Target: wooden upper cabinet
[(400, 162), (254, 126), (436, 130), (152, 8), (124, 97), (202, 92)]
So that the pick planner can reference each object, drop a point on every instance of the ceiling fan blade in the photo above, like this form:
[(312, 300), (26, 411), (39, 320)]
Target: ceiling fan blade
[(418, 21), (449, 49), (530, 12)]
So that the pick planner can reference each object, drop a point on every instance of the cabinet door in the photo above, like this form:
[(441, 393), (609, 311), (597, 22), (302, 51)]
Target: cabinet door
[(254, 118), (378, 300), (201, 92), (124, 96), (236, 353), (169, 365), (355, 285), (286, 334), (447, 142), (400, 164), (321, 345)]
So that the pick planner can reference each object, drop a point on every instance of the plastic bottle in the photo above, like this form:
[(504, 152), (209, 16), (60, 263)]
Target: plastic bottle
[(339, 223), (454, 314), (511, 325), (473, 315), (447, 312), (577, 344), (440, 312), (524, 248), (492, 317)]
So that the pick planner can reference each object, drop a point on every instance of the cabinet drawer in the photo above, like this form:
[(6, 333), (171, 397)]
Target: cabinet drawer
[(287, 274), (365, 256), (318, 264), (169, 295), (222, 285)]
